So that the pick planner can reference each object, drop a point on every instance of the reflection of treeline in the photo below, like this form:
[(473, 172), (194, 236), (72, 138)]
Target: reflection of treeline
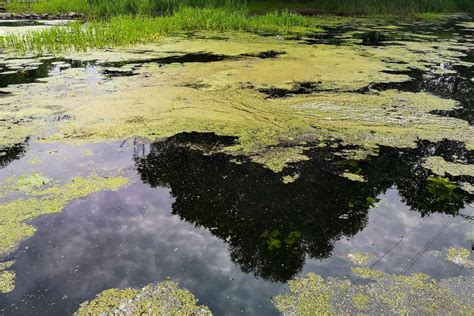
[(115, 7), (270, 226), (9, 154)]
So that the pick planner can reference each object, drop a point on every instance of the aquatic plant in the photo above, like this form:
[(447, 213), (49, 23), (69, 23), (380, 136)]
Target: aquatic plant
[(127, 30), (25, 182), (387, 294), (360, 258), (441, 189), (108, 8), (164, 298), (434, 194), (441, 167), (7, 278), (52, 199), (460, 256)]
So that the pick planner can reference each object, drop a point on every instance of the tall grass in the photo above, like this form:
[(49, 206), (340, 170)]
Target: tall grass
[(107, 8), (126, 30), (354, 7)]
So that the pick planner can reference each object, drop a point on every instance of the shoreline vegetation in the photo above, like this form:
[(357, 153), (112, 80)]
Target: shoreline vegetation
[(125, 30), (126, 22), (109, 8)]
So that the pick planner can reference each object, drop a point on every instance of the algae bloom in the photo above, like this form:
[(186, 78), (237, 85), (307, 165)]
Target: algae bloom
[(164, 298), (15, 214), (7, 278), (460, 256), (360, 258), (387, 294)]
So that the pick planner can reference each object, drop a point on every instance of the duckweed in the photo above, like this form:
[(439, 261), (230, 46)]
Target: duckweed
[(441, 167), (367, 273), (386, 294), (460, 256), (7, 278), (229, 102), (7, 281), (290, 178), (26, 182), (469, 25), (359, 258), (165, 298), (354, 177), (441, 189), (15, 214)]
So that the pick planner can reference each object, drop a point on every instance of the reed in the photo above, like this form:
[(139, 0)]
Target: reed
[(108, 8), (127, 30)]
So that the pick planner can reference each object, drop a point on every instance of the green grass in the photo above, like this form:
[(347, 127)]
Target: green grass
[(107, 8), (127, 30), (371, 7)]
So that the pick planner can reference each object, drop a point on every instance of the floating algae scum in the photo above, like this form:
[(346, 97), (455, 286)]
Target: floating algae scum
[(242, 173)]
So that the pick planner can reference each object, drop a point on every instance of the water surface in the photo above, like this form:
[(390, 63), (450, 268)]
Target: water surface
[(225, 227)]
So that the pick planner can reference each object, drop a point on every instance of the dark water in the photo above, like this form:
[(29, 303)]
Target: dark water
[(201, 221), (226, 228)]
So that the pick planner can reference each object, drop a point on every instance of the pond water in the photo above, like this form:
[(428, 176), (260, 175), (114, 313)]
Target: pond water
[(23, 26), (223, 224)]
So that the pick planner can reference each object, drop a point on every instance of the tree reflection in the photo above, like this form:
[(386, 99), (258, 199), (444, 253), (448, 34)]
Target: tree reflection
[(271, 226), (9, 154)]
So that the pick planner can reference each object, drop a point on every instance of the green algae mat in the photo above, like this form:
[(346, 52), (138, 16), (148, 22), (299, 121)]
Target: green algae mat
[(326, 172)]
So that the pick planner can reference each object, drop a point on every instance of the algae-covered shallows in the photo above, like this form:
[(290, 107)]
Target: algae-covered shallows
[(386, 294), (224, 98), (164, 298), (14, 215), (40, 199)]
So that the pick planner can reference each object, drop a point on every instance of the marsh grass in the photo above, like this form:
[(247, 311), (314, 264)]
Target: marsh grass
[(108, 8), (371, 7), (127, 30)]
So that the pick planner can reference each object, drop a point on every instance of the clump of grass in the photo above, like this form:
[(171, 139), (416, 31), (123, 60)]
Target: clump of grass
[(127, 30)]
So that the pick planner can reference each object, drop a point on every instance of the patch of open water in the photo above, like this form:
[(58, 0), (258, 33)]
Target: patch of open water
[(200, 220)]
